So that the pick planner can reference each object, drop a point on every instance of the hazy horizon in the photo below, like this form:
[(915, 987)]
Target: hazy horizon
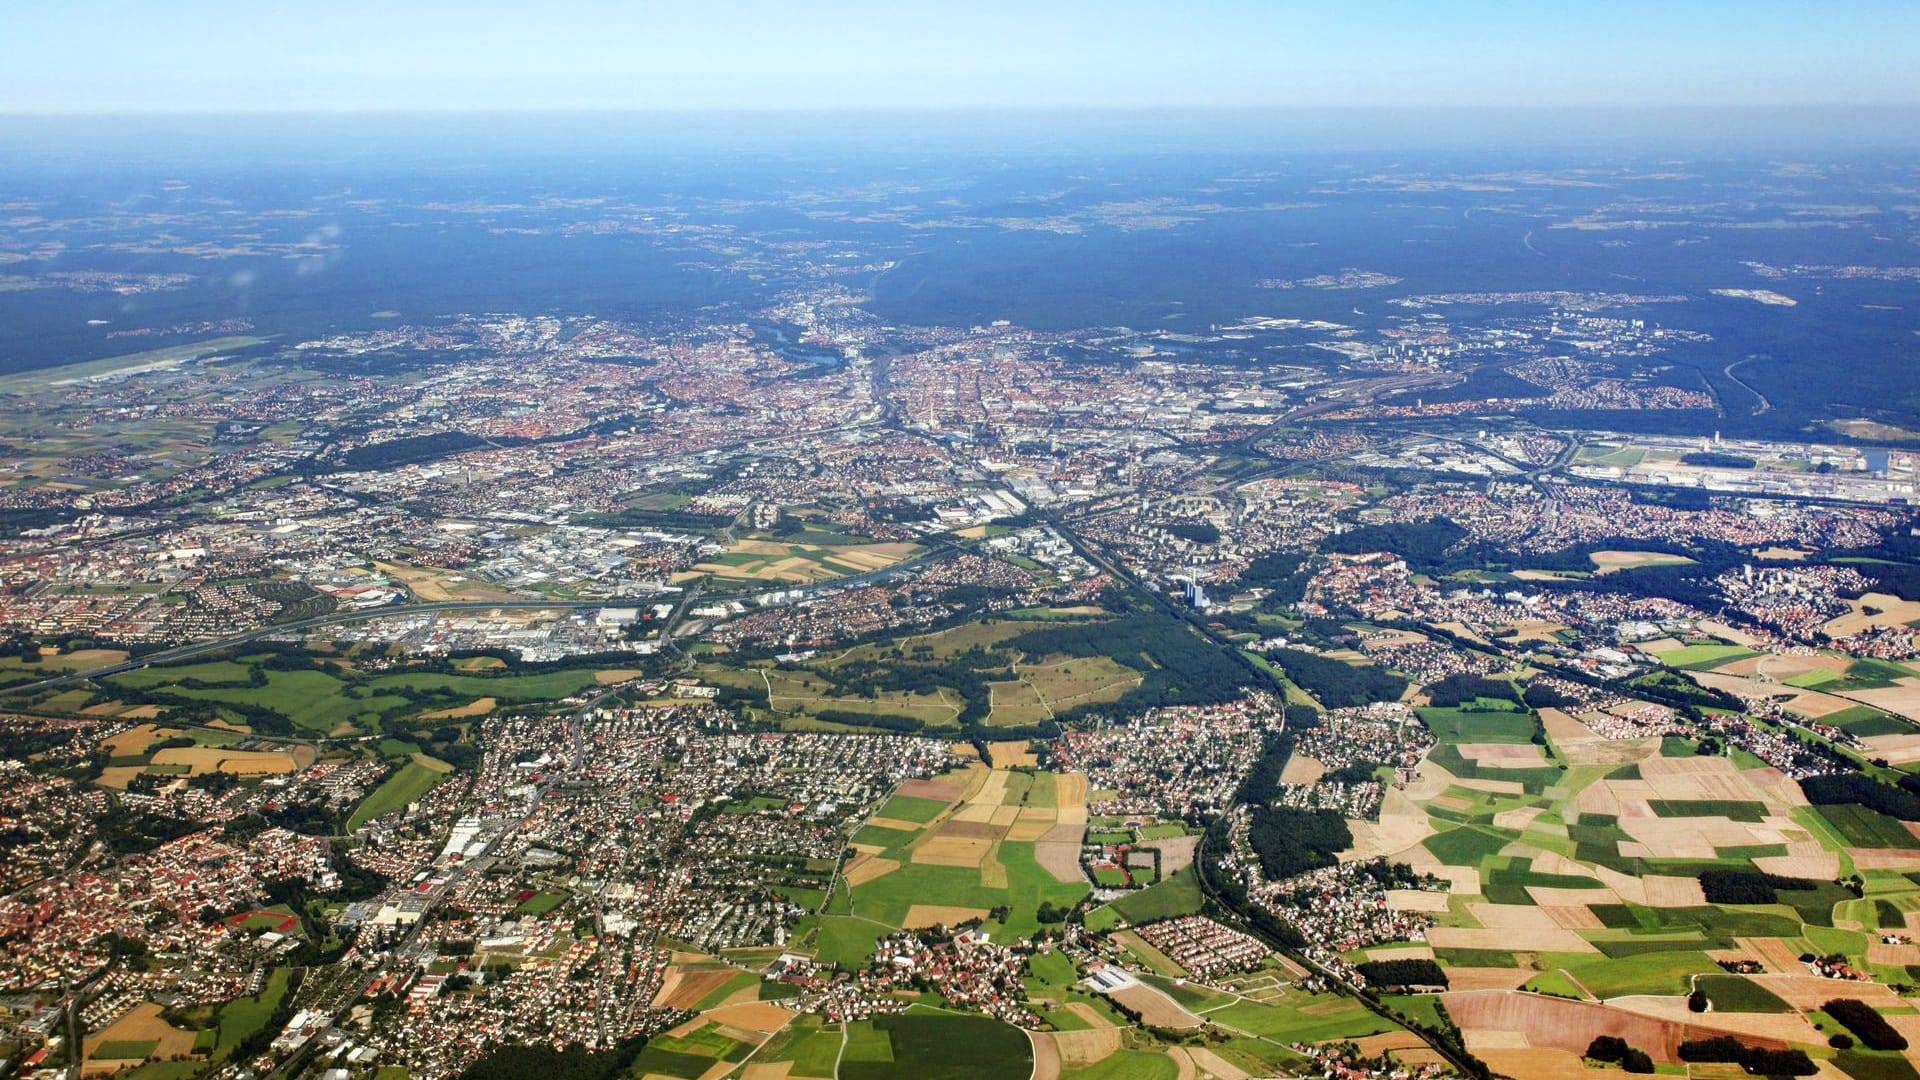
[(222, 56)]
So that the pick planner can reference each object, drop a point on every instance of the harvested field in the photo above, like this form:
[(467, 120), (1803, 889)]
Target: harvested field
[(1494, 1040), (1663, 891), (1402, 824), (1488, 978), (1606, 562), (866, 867), (135, 740), (1879, 952), (1176, 853), (975, 811), (1547, 939), (1070, 798), (1805, 991), (921, 916), (1900, 699), (1892, 612), (1688, 838), (1375, 1045), (1212, 1064), (1773, 784), (1518, 820), (1078, 1049), (1156, 1008), (1523, 1063), (1504, 755), (1402, 952), (1302, 769), (1785, 1027), (1561, 1024), (1046, 1056), (952, 851), (1777, 955), (1897, 749), (1510, 917), (1694, 778), (1008, 755), (1058, 853), (1549, 896), (1574, 917), (1494, 787), (481, 707), (1822, 867), (683, 989), (1727, 633), (1417, 900), (939, 790), (761, 1070), (911, 826), (118, 777), (1884, 858), (143, 1024), (761, 1017), (1028, 831), (201, 760), (1565, 731)]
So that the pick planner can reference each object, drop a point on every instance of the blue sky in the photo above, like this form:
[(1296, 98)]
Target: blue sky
[(66, 56)]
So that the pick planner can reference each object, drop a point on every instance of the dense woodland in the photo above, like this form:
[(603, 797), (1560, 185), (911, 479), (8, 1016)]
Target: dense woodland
[(1337, 684)]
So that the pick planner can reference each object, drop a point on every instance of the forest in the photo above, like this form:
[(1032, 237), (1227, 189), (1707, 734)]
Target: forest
[(1290, 841), (1337, 684)]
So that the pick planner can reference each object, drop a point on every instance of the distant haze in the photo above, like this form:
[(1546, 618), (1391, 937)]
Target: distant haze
[(224, 56)]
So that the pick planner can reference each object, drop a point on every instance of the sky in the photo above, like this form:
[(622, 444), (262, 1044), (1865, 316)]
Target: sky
[(200, 56)]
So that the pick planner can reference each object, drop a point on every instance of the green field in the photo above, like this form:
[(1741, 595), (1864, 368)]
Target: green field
[(1735, 809), (887, 898), (1704, 657), (1127, 1065), (930, 1046), (1333, 1017), (908, 808), (1869, 1065), (318, 701), (1735, 993), (408, 783), (1178, 895), (1862, 827), (846, 940), (1664, 972), (242, 1017), (1467, 726), (1864, 722), (809, 1042), (1467, 846), (124, 1049)]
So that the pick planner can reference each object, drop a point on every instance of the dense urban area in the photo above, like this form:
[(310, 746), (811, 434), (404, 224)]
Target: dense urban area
[(782, 690)]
